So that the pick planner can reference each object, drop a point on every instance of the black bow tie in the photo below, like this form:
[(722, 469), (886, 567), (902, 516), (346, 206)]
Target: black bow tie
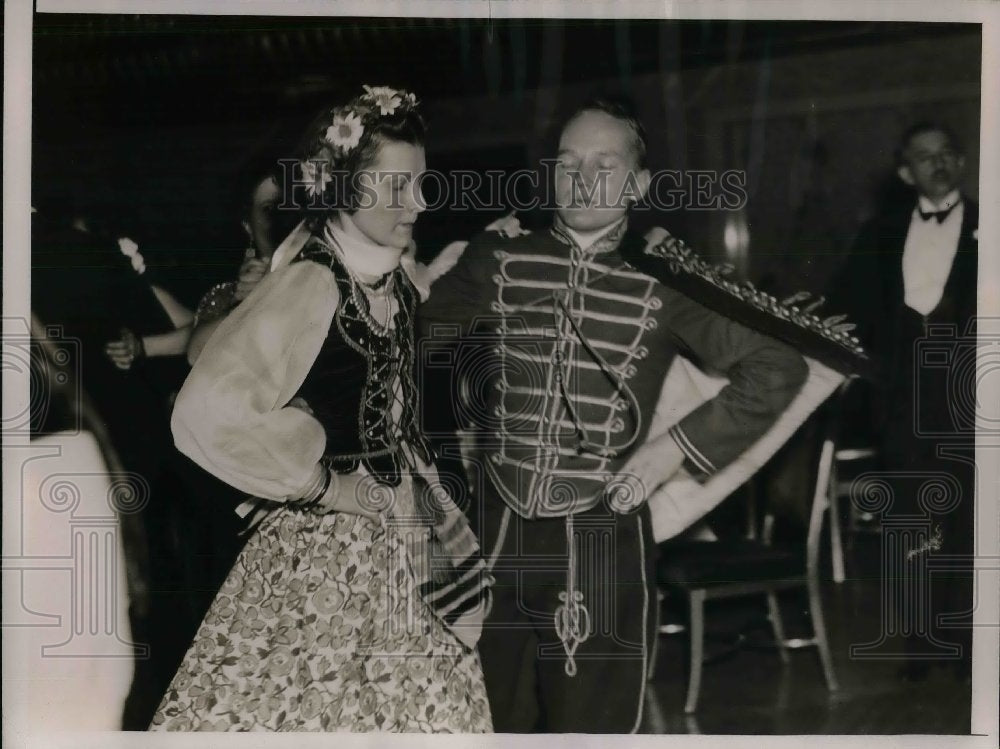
[(939, 215)]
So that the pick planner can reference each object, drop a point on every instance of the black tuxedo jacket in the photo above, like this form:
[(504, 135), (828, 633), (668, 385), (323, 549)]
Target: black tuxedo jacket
[(916, 357)]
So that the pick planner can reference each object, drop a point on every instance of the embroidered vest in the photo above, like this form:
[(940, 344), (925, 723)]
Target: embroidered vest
[(361, 387)]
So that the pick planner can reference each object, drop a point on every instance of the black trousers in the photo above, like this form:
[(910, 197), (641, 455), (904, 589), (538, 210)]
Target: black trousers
[(951, 584), (928, 448), (533, 683)]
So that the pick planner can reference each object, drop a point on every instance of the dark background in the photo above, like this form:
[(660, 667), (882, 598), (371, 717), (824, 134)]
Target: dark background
[(148, 123)]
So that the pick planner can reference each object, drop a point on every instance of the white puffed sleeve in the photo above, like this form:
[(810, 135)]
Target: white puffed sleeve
[(231, 416)]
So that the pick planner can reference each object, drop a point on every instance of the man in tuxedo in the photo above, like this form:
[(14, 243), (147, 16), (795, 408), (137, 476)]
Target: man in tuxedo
[(910, 283)]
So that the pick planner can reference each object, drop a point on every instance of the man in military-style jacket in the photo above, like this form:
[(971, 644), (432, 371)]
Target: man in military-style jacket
[(565, 339)]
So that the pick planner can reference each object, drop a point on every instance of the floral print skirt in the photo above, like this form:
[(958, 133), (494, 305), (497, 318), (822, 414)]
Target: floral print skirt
[(319, 628)]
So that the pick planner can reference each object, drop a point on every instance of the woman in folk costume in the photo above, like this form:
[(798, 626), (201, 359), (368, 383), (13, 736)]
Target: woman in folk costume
[(358, 600)]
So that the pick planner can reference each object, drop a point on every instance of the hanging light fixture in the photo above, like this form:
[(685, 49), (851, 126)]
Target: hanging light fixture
[(736, 241)]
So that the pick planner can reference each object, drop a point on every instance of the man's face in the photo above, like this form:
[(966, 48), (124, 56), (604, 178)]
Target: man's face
[(596, 171), (931, 164)]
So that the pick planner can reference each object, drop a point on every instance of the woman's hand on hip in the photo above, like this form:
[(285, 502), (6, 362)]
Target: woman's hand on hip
[(357, 493)]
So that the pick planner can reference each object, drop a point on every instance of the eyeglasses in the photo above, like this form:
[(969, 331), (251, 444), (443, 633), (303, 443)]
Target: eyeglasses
[(929, 159)]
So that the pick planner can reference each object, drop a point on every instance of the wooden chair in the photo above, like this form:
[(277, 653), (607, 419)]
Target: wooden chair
[(839, 489), (700, 571)]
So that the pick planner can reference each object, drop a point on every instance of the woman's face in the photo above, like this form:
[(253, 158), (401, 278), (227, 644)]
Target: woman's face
[(389, 197), (260, 221)]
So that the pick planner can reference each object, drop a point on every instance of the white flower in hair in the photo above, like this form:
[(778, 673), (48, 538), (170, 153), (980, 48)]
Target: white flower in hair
[(346, 130), (385, 98), (315, 176), (131, 250), (128, 247)]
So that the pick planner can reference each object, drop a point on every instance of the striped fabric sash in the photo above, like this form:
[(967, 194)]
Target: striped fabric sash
[(451, 575)]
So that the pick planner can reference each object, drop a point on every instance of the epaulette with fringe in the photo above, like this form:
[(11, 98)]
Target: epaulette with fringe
[(827, 340)]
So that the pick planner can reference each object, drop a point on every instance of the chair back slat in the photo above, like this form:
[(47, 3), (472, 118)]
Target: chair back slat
[(820, 504)]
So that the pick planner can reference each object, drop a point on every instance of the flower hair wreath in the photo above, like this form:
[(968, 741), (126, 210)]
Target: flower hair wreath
[(346, 129)]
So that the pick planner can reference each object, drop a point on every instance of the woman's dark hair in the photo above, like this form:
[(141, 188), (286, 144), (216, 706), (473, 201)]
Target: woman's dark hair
[(405, 125), (400, 127), (264, 163), (264, 160)]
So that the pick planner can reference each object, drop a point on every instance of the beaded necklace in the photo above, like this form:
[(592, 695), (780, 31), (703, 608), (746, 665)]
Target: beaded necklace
[(360, 292)]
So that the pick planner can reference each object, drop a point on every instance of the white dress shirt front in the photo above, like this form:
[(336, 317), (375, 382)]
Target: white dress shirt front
[(929, 252)]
